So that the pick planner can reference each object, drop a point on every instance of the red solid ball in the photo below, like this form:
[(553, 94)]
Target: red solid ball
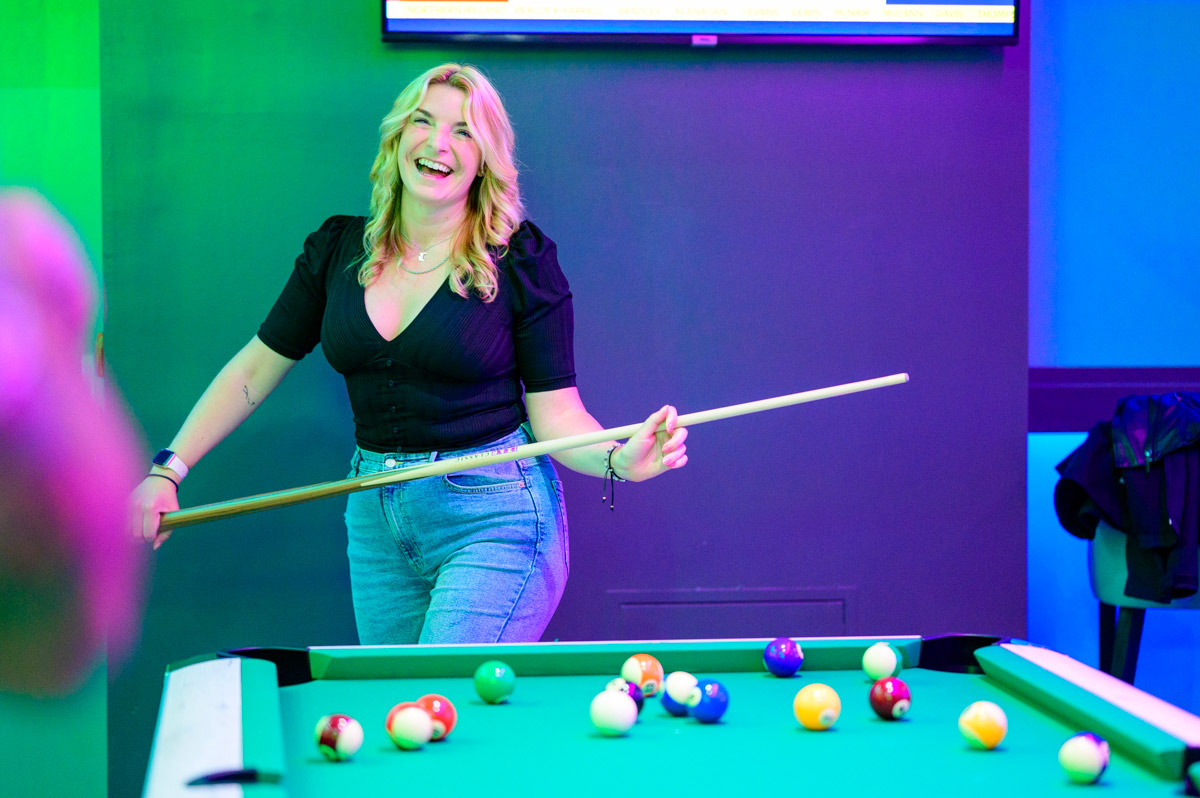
[(890, 698)]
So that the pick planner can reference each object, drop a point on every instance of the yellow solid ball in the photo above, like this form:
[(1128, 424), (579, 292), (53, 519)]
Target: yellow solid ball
[(983, 724), (817, 706)]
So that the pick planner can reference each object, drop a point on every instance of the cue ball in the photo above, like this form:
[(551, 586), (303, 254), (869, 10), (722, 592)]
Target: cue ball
[(494, 681), (645, 671), (409, 726), (613, 713), (983, 724), (443, 713), (1084, 757), (882, 660), (817, 706), (708, 701), (783, 657), (339, 737), (890, 698)]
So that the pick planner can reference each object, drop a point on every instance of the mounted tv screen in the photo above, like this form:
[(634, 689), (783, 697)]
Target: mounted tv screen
[(701, 23)]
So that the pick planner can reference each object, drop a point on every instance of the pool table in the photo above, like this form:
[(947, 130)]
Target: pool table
[(242, 723)]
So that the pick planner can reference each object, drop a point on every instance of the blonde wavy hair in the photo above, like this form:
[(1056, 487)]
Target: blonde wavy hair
[(494, 208)]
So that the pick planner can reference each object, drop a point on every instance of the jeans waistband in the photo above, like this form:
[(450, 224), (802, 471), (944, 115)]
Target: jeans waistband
[(517, 437)]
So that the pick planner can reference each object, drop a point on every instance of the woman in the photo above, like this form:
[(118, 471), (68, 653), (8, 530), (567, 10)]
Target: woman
[(439, 309)]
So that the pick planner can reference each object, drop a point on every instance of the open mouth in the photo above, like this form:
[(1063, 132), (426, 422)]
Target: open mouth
[(433, 169)]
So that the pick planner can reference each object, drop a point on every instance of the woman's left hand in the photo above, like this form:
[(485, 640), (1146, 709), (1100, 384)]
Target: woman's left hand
[(649, 451)]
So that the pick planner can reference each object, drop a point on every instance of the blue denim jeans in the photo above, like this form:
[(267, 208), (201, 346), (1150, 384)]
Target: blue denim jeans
[(476, 556)]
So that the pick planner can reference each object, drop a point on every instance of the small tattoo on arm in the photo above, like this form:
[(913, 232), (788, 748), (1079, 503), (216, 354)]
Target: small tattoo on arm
[(246, 390)]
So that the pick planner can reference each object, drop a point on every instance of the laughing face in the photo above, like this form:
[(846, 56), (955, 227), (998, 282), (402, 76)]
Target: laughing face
[(439, 158)]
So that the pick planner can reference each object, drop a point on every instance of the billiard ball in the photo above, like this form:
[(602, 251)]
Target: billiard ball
[(983, 724), (890, 698), (613, 713), (409, 726), (817, 706), (628, 688), (708, 701), (672, 706), (402, 705), (494, 681), (882, 660), (339, 737), (1084, 757), (676, 689), (645, 671), (442, 712), (679, 686), (783, 657)]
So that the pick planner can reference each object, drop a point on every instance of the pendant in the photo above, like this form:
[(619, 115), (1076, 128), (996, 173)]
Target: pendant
[(421, 257)]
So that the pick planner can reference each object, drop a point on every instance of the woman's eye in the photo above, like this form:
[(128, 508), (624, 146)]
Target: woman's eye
[(420, 120), (464, 133)]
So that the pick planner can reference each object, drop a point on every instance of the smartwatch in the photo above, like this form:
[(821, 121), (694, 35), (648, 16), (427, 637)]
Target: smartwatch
[(168, 459)]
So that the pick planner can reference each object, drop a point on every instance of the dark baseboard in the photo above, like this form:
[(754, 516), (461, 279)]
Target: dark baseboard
[(1073, 399)]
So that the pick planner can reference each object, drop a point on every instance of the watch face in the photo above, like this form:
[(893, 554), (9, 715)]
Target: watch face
[(163, 457)]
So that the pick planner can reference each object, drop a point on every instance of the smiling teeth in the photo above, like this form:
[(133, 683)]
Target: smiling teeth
[(428, 164)]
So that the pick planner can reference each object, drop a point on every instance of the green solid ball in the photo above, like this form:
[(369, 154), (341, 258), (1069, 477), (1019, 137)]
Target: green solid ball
[(494, 681)]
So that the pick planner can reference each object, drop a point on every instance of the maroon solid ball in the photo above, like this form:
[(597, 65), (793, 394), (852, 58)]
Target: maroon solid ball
[(890, 698)]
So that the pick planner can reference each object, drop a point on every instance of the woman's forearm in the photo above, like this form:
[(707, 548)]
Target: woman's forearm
[(236, 392), (591, 460)]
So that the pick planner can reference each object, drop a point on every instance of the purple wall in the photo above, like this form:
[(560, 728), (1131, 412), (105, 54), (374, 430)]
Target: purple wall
[(744, 230)]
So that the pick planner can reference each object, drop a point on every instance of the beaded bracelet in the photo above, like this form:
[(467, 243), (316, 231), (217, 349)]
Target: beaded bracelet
[(611, 479)]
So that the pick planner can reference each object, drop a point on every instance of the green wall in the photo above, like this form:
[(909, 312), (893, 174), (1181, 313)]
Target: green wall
[(50, 108), (50, 141)]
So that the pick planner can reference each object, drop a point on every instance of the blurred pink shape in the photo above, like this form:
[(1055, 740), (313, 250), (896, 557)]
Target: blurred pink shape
[(70, 574)]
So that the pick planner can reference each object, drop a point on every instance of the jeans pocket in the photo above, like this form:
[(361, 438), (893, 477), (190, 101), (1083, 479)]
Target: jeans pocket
[(495, 478)]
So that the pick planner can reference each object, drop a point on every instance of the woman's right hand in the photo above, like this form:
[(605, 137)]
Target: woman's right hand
[(153, 497)]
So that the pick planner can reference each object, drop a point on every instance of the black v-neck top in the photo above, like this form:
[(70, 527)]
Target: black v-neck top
[(453, 378)]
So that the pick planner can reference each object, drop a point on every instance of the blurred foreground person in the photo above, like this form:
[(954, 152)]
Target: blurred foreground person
[(69, 576)]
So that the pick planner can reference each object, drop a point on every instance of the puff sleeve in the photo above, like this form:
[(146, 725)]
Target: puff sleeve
[(293, 326), (544, 320)]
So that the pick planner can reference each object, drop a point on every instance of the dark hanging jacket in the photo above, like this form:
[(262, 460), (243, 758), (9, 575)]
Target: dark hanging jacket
[(1140, 473)]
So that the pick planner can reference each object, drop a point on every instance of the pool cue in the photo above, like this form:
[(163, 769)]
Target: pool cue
[(284, 498)]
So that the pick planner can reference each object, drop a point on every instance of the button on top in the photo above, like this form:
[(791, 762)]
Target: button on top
[(391, 383), (387, 363)]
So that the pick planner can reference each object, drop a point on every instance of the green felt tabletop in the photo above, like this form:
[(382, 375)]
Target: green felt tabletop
[(541, 742)]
